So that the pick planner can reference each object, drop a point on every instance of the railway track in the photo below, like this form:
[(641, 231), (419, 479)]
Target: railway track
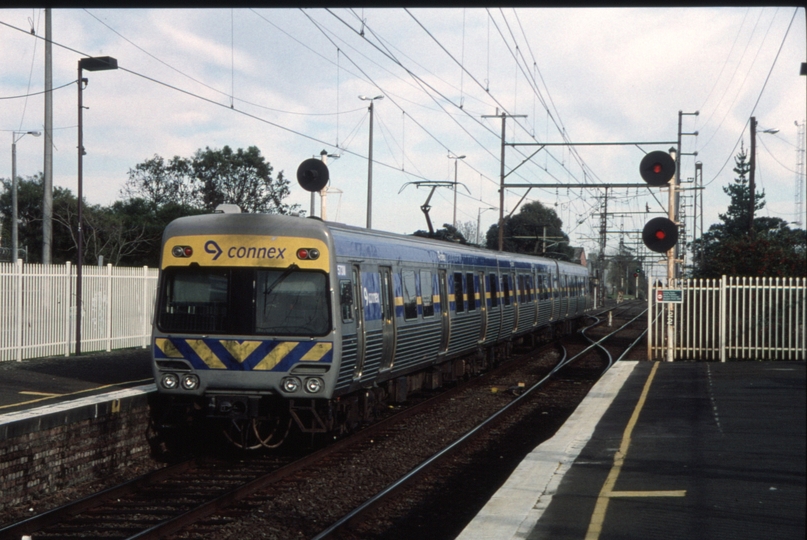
[(320, 494)]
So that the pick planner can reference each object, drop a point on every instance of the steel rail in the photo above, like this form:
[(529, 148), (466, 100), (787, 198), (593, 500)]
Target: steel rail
[(401, 482)]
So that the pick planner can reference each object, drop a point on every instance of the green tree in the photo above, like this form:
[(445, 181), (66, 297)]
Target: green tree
[(29, 211), (242, 177), (448, 233), (161, 182), (536, 230), (770, 248)]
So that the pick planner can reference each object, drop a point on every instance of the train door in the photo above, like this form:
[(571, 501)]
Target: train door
[(444, 310), (483, 297), (361, 333), (388, 331)]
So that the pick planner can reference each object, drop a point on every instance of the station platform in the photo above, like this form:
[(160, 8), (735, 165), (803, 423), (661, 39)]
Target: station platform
[(59, 386), (689, 450)]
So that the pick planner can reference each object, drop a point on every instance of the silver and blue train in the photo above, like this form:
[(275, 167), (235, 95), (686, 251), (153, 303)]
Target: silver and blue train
[(270, 321)]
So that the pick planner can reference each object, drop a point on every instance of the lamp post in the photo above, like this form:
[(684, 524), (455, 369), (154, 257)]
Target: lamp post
[(456, 160), (98, 63), (479, 218), (370, 163), (15, 235)]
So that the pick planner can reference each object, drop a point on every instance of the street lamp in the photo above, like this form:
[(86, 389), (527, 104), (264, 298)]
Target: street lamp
[(15, 235), (97, 63), (370, 163), (479, 218), (456, 159)]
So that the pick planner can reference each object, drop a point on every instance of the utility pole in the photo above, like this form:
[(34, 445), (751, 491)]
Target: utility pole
[(603, 237), (504, 117), (370, 163), (456, 159), (47, 170), (751, 176)]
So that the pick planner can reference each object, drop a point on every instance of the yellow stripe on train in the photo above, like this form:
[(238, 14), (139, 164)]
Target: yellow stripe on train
[(244, 250)]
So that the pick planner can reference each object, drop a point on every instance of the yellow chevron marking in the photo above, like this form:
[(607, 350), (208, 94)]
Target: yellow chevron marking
[(317, 352), (169, 349), (240, 351), (275, 356), (207, 356)]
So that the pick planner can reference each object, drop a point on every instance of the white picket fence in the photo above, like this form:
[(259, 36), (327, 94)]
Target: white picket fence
[(38, 309), (731, 318)]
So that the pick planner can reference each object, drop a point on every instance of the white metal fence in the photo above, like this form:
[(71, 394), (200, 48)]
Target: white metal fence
[(731, 318), (38, 309)]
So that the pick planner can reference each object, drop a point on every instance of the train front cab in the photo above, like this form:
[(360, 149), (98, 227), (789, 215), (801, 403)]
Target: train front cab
[(243, 320)]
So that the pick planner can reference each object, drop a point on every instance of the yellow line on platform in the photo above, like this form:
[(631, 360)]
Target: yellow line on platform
[(607, 491), (669, 493), (39, 394), (51, 396)]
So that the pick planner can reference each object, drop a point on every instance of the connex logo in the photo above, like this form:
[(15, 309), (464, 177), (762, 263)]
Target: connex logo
[(212, 247)]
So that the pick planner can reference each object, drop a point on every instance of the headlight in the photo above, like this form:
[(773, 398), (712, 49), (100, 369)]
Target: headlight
[(291, 384), (169, 381), (190, 382), (313, 385)]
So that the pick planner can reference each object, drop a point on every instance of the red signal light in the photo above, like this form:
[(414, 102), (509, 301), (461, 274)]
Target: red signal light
[(661, 235), (302, 253), (188, 251)]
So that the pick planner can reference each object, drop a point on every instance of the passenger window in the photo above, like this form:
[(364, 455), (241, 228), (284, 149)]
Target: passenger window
[(346, 299), (469, 286), (427, 292), (410, 296), (459, 299), (494, 291), (506, 289)]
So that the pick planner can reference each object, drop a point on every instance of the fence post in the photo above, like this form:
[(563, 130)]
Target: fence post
[(67, 326), (18, 307), (722, 318), (146, 333), (108, 307), (650, 297)]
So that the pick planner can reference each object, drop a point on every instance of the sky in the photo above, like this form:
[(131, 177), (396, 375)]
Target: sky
[(288, 81)]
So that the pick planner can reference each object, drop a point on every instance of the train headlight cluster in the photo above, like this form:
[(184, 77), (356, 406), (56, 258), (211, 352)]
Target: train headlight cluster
[(169, 381), (186, 381), (190, 381), (312, 385), (181, 251), (291, 384), (308, 254)]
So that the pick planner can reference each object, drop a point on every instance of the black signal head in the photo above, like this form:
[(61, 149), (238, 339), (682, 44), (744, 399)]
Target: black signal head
[(312, 175), (660, 234), (657, 168)]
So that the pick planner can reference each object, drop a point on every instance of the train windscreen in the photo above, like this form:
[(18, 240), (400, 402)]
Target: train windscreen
[(244, 301)]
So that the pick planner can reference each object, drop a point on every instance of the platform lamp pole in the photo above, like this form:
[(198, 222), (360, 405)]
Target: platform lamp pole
[(370, 163), (98, 63), (456, 160), (15, 235)]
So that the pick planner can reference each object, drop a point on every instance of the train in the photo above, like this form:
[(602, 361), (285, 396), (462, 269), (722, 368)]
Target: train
[(271, 323)]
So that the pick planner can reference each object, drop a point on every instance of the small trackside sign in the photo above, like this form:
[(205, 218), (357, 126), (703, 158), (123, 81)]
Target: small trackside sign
[(670, 296)]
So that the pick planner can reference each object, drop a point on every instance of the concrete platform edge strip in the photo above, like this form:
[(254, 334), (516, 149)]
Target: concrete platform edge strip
[(513, 511), (81, 407)]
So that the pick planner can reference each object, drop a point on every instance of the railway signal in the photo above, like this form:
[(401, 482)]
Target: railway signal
[(657, 169), (660, 234)]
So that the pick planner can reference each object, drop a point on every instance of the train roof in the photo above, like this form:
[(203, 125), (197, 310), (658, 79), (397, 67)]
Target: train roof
[(352, 241)]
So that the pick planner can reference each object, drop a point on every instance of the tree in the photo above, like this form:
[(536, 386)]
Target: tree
[(161, 183), (242, 177), (769, 249), (448, 233), (536, 230), (29, 212)]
